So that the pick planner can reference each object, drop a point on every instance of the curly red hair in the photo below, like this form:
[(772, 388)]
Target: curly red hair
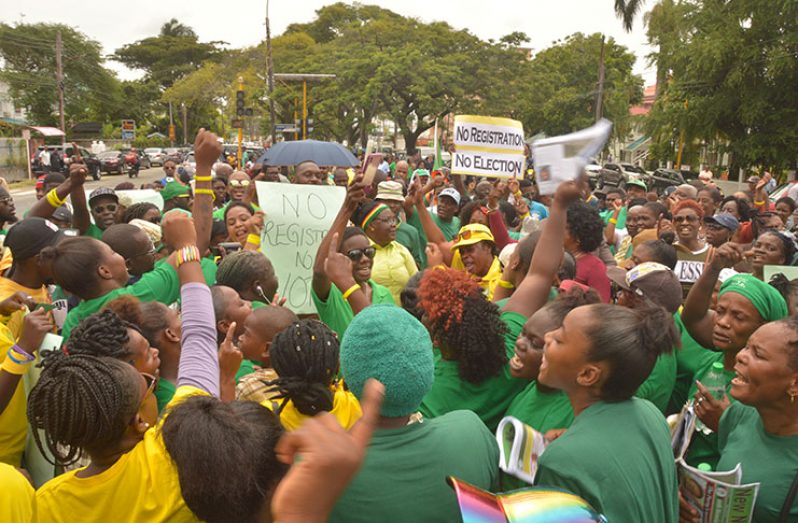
[(442, 293), (689, 204)]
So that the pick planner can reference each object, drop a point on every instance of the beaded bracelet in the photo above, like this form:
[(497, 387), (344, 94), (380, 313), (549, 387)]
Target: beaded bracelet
[(187, 254)]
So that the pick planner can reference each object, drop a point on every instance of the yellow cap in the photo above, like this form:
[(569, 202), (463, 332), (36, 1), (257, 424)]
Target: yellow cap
[(471, 234)]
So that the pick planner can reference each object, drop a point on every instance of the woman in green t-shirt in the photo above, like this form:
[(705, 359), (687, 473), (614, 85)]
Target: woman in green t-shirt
[(617, 453), (342, 284), (760, 432), (251, 274), (744, 304)]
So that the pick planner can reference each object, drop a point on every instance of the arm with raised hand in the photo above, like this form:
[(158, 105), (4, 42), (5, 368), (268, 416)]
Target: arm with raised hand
[(355, 193), (199, 362), (206, 150), (697, 316), (338, 269), (533, 291), (73, 185), (431, 229)]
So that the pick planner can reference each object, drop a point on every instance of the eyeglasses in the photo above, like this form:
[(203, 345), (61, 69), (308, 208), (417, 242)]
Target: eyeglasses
[(357, 254), (387, 221), (151, 252), (6, 200), (111, 207), (239, 183), (685, 219)]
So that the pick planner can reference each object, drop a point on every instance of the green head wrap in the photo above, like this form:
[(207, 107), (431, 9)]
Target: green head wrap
[(765, 298)]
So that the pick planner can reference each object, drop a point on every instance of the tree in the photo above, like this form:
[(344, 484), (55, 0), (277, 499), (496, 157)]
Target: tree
[(626, 10), (165, 58), (28, 51), (732, 81), (562, 89)]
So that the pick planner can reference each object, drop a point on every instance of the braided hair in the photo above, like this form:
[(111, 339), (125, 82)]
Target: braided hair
[(239, 269), (305, 356), (463, 323), (81, 402), (137, 211), (101, 334)]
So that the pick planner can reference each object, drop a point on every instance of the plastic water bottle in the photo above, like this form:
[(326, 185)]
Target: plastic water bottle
[(715, 381)]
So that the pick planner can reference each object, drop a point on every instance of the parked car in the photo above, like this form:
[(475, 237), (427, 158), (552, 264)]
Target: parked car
[(90, 159), (662, 179), (610, 177), (627, 170), (156, 155), (174, 154), (112, 162), (593, 172), (688, 175)]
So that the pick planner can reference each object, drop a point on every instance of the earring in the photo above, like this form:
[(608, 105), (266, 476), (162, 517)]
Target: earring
[(792, 398)]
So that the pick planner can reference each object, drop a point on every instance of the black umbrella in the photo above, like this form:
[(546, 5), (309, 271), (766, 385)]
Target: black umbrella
[(322, 153)]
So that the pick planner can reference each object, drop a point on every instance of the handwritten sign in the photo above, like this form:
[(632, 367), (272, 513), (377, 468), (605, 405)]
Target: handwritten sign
[(297, 218), (768, 271), (488, 146)]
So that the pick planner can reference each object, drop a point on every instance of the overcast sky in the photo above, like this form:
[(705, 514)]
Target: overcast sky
[(241, 22)]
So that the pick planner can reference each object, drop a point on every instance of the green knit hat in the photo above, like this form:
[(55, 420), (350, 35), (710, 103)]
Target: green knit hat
[(386, 343)]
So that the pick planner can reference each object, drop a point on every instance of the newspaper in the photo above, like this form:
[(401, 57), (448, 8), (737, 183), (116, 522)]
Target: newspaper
[(520, 447), (717, 496), (563, 158)]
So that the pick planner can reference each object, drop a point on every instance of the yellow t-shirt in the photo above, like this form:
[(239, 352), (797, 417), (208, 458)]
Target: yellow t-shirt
[(16, 496), (393, 266), (346, 409), (13, 420), (141, 486), (489, 281)]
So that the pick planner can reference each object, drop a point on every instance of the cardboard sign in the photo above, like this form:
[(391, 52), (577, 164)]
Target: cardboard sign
[(488, 146), (297, 218)]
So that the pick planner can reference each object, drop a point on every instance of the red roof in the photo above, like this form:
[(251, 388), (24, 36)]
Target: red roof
[(649, 94)]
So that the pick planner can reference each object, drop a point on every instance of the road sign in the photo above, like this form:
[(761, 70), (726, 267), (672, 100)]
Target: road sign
[(128, 129), (237, 124), (284, 126)]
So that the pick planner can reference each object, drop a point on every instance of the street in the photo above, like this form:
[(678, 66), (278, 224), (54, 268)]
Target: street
[(25, 197)]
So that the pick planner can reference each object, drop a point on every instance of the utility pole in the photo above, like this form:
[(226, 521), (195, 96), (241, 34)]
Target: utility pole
[(171, 127), (240, 127), (270, 66), (185, 124), (59, 79), (600, 95)]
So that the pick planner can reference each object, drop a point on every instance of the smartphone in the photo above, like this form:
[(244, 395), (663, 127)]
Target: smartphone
[(230, 246), (370, 165)]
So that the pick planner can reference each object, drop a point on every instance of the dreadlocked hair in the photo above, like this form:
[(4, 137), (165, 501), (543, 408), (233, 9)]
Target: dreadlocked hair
[(82, 403), (101, 334), (305, 356), (463, 323)]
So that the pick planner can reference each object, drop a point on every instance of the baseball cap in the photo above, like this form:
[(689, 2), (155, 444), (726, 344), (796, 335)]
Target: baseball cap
[(390, 191), (174, 190), (420, 172), (725, 220), (650, 280), (637, 183), (62, 214), (103, 191), (452, 193), (28, 237), (471, 234)]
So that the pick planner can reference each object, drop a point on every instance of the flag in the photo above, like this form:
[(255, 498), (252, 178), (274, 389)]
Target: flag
[(438, 160)]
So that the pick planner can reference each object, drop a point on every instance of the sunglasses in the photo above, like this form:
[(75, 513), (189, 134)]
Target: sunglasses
[(111, 207), (357, 254), (465, 235), (6, 200), (389, 221), (238, 183), (685, 219)]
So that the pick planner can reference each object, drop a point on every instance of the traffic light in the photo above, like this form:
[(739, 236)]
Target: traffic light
[(240, 103)]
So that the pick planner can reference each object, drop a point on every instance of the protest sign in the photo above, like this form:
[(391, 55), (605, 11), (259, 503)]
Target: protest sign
[(297, 218), (789, 272), (488, 146), (563, 158)]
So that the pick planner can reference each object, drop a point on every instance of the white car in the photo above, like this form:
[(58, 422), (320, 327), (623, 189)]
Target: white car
[(156, 155)]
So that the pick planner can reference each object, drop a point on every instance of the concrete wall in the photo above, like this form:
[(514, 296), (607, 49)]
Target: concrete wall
[(14, 159)]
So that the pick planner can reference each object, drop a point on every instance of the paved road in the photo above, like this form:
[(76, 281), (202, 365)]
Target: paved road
[(25, 197)]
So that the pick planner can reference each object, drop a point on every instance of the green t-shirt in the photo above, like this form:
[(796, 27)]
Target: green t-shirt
[(404, 475), (704, 447), (689, 359), (606, 215), (208, 266), (408, 236), (543, 411), (166, 390), (658, 387), (94, 232), (618, 457), (488, 399), (160, 284), (247, 367), (336, 311), (771, 460), (258, 304), (449, 229)]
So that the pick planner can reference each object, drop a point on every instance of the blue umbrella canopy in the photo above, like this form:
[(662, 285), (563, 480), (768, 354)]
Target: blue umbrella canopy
[(323, 153)]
